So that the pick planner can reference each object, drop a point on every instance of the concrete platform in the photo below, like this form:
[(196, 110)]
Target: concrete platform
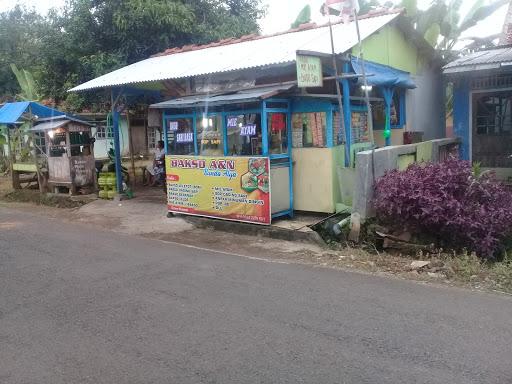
[(153, 201)]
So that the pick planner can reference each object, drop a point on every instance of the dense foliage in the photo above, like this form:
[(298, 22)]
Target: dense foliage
[(448, 202), (88, 38)]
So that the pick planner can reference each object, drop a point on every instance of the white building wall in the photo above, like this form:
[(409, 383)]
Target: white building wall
[(101, 146), (425, 105)]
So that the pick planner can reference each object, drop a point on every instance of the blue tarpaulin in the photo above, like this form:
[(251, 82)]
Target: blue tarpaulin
[(382, 75), (11, 112)]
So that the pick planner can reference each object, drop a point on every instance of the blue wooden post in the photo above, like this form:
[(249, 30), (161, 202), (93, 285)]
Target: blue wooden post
[(264, 128), (461, 102), (347, 114), (194, 126), (117, 150), (388, 98), (166, 137), (225, 133)]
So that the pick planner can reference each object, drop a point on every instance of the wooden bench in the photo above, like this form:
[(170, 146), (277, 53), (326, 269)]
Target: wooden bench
[(23, 173)]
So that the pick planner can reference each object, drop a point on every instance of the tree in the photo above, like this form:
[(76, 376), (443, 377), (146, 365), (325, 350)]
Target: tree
[(303, 17), (442, 25), (20, 44), (89, 38)]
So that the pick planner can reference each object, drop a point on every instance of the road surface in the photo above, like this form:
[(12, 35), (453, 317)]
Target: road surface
[(78, 305)]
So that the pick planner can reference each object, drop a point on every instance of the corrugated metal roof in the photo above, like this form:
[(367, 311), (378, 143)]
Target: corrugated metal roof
[(67, 117), (241, 96), (489, 59), (47, 125), (271, 50)]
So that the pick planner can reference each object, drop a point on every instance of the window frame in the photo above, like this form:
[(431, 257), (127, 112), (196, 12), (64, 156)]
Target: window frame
[(237, 113), (107, 133)]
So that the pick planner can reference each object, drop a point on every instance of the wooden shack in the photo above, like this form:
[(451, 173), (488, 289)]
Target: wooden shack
[(69, 148)]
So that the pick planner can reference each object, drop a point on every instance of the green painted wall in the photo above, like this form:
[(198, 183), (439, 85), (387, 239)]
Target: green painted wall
[(405, 160), (338, 156), (357, 147), (389, 46)]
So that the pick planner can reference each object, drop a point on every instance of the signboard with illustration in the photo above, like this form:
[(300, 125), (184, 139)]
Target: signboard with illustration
[(219, 187)]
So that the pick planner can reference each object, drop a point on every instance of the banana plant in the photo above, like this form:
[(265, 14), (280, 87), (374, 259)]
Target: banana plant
[(27, 84), (442, 25), (303, 17)]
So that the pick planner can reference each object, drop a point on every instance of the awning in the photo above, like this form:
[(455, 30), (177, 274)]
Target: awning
[(234, 97), (382, 75), (46, 124), (10, 113)]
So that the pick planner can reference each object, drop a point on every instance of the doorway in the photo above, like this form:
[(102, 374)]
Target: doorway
[(492, 129)]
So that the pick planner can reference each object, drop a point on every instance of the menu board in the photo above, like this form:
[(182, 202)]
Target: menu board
[(231, 188)]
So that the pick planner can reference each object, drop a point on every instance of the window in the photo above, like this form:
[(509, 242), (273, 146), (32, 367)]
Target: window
[(359, 125), (397, 112), (180, 136), (277, 133), (244, 134), (379, 115), (153, 137), (396, 117), (80, 143), (494, 114), (209, 135), (336, 128), (103, 132), (57, 144), (40, 142), (309, 129)]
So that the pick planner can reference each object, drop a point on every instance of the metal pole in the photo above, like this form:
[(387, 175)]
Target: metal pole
[(365, 82), (117, 146), (338, 93)]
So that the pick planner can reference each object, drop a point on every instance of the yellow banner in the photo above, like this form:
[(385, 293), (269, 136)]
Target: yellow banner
[(232, 188)]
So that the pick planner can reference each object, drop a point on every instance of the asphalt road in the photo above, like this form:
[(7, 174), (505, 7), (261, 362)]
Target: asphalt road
[(84, 306)]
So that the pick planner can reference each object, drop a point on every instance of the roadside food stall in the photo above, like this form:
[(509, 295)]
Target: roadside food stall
[(254, 154), (16, 118), (68, 145), (225, 153)]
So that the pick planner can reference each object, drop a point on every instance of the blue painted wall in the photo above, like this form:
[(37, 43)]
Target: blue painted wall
[(461, 89)]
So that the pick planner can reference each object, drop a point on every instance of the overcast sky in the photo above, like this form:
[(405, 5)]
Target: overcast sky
[(281, 13)]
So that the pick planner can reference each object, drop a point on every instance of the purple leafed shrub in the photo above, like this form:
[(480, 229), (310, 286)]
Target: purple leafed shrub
[(448, 202)]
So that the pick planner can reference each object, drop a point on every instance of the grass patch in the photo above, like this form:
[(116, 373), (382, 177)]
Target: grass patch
[(48, 199)]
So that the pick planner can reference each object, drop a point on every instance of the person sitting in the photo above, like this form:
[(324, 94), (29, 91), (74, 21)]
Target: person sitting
[(157, 168)]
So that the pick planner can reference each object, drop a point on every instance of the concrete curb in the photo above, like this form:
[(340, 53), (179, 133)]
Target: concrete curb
[(255, 230)]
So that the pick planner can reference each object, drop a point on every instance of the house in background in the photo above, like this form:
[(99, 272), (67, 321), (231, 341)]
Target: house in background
[(482, 103), (138, 132)]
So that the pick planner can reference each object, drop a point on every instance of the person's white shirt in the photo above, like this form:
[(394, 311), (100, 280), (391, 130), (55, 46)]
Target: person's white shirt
[(159, 153)]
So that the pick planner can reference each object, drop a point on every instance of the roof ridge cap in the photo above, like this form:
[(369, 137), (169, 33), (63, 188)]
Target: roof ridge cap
[(254, 36)]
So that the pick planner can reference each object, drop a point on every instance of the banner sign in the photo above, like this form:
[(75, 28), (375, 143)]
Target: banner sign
[(309, 71), (232, 122), (230, 188), (248, 130), (187, 137), (173, 126)]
